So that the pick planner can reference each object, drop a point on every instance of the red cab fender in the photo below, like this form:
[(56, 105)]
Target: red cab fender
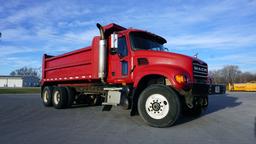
[(167, 71)]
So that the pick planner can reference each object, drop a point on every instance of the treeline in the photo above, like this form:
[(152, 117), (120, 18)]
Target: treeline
[(231, 74), (27, 71)]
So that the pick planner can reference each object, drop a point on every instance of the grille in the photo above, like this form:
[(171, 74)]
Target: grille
[(200, 72)]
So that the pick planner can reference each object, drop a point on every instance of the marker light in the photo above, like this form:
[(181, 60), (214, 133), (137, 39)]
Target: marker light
[(181, 79)]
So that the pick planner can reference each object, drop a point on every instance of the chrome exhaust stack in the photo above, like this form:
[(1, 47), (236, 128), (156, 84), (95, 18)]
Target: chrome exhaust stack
[(102, 54)]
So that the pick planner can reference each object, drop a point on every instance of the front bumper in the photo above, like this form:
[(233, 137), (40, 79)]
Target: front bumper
[(196, 95), (200, 90)]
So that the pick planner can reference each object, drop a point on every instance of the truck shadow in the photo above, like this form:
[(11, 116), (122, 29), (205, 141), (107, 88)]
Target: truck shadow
[(79, 106), (216, 103), (83, 105), (219, 102)]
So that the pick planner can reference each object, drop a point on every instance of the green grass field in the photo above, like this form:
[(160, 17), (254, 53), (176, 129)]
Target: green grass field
[(20, 90)]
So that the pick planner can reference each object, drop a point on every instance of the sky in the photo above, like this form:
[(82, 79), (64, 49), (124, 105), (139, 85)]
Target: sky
[(222, 32)]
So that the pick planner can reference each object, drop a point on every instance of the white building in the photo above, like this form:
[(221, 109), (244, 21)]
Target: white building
[(11, 81)]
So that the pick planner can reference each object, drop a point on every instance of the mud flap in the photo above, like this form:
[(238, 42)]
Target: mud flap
[(107, 108), (134, 104)]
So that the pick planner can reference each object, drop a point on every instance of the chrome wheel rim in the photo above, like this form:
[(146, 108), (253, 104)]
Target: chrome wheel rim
[(56, 97), (157, 106), (45, 97)]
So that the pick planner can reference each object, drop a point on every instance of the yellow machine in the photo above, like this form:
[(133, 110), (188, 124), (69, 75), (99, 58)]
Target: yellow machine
[(251, 86)]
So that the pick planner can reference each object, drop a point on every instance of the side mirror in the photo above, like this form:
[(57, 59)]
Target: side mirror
[(114, 43)]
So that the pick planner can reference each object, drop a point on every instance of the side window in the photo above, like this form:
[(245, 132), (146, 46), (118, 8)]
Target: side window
[(122, 47), (124, 67)]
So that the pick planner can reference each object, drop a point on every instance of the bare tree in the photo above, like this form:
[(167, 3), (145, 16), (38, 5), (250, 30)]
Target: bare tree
[(26, 71), (231, 73), (216, 77)]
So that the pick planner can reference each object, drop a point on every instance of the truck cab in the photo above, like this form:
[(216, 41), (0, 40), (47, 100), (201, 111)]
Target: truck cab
[(142, 55), (136, 70)]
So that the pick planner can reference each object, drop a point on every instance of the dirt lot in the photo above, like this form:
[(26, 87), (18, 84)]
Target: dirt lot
[(23, 119)]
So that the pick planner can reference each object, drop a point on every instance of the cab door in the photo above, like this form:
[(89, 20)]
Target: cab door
[(119, 64)]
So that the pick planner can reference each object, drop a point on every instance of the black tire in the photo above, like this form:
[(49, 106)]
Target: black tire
[(168, 106), (46, 96), (71, 93), (59, 97)]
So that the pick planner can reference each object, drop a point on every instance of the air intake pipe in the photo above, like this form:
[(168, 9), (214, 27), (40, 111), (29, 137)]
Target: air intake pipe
[(102, 54)]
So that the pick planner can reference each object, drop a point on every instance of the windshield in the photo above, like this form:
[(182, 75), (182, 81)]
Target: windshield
[(144, 41)]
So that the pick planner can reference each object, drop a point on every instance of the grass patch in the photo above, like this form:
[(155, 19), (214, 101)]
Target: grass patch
[(20, 90)]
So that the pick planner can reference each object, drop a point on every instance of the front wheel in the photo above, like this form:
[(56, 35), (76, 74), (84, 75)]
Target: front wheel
[(159, 106)]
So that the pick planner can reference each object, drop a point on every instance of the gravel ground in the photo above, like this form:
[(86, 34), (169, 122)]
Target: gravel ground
[(229, 119)]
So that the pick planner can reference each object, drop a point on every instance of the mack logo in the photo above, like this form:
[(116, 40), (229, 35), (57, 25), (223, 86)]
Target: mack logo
[(200, 69)]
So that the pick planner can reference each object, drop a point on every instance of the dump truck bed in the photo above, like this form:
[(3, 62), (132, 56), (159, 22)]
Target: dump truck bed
[(77, 65)]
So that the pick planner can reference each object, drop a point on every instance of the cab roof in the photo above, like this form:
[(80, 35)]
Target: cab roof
[(112, 27)]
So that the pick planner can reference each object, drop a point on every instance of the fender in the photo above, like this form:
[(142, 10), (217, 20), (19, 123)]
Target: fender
[(160, 69)]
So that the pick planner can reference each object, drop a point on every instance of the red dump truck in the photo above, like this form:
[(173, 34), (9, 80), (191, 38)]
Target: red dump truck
[(130, 68)]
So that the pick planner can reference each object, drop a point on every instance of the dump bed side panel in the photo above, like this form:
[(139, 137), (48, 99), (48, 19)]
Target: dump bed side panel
[(81, 64)]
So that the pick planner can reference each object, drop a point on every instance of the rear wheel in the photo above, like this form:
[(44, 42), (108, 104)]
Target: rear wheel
[(71, 93), (159, 106), (46, 96), (59, 97)]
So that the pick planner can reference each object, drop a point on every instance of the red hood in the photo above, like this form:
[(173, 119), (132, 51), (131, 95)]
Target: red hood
[(168, 58)]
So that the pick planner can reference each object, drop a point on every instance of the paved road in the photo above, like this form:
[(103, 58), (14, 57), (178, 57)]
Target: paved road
[(230, 119)]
